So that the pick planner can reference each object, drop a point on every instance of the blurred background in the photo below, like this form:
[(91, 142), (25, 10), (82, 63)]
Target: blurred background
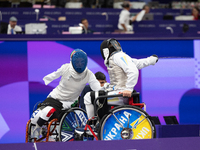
[(57, 16)]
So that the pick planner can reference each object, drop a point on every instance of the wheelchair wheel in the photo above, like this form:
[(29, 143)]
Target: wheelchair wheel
[(126, 122), (73, 118)]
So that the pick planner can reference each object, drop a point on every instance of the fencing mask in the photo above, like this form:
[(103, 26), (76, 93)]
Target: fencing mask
[(79, 60), (108, 47)]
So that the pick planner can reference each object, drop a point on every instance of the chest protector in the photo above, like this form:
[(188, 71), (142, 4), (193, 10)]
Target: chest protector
[(118, 77)]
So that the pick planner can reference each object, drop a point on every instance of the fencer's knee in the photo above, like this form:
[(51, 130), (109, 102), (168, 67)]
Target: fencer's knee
[(41, 116), (45, 116), (87, 98), (47, 112)]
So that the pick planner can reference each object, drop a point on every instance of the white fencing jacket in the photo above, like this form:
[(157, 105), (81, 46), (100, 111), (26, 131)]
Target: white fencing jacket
[(71, 83), (123, 70)]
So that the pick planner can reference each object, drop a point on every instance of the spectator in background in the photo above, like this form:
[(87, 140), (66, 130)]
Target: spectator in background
[(101, 78), (140, 15), (85, 24), (13, 28), (124, 17), (195, 13), (125, 20)]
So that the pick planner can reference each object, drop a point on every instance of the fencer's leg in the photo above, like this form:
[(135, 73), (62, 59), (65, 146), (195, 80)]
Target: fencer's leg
[(88, 101), (88, 105), (46, 113), (42, 117)]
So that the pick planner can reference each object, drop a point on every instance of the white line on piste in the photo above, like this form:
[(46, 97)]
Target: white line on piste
[(35, 146), (131, 149)]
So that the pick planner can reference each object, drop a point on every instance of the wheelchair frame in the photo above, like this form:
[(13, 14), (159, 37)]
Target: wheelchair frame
[(49, 133)]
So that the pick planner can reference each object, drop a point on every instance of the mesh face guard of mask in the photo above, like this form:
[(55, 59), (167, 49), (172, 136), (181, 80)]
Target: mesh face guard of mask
[(79, 60)]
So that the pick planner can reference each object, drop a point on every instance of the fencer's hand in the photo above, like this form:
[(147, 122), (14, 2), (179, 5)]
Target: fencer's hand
[(106, 85), (153, 59), (126, 93), (154, 55), (47, 80)]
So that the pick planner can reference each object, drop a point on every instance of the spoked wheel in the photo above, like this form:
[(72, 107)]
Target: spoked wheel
[(127, 122), (72, 119)]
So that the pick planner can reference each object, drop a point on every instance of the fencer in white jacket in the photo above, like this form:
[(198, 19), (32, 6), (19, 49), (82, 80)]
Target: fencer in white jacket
[(74, 76), (123, 73)]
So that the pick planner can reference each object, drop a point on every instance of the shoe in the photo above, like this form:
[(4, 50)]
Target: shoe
[(80, 131), (90, 133), (81, 135)]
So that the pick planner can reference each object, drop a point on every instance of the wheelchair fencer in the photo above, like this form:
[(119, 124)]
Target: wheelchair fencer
[(118, 123)]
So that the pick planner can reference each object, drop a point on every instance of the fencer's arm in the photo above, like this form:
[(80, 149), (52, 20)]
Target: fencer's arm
[(141, 63), (134, 17), (94, 83), (140, 15), (54, 75), (129, 68)]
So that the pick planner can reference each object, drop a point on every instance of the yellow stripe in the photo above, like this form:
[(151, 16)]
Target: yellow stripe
[(113, 99), (125, 60)]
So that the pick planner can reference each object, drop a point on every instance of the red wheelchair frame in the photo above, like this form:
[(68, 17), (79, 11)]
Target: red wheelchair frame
[(53, 122)]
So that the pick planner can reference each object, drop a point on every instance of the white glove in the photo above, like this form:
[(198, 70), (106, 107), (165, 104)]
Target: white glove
[(106, 85), (153, 59), (47, 80)]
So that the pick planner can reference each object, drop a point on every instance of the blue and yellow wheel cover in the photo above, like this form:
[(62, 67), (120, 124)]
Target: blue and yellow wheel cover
[(138, 122)]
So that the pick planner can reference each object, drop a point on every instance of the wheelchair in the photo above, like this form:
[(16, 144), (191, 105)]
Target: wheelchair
[(119, 123), (126, 121), (59, 129)]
